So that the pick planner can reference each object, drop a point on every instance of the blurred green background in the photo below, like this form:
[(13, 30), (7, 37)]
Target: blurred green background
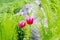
[(9, 29)]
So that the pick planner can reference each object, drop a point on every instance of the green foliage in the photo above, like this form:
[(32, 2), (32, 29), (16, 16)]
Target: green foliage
[(51, 8), (11, 7), (8, 25), (9, 29)]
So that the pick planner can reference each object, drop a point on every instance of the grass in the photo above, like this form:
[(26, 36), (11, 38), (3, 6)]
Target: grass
[(51, 8), (9, 24), (8, 27)]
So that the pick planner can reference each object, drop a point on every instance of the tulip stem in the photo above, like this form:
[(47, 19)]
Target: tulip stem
[(30, 33)]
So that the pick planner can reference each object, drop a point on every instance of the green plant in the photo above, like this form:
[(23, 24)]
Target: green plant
[(8, 25)]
